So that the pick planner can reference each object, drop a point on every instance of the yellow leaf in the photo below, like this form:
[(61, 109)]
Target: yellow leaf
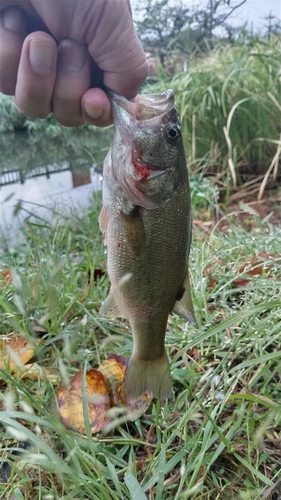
[(14, 352), (105, 389), (35, 372), (113, 369), (70, 402)]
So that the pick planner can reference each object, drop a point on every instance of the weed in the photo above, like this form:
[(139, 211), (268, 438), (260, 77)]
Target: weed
[(217, 437)]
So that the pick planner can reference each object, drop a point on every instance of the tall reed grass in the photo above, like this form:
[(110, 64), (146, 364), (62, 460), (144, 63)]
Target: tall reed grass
[(230, 106)]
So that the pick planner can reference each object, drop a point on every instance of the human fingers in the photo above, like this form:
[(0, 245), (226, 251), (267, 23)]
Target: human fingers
[(115, 47), (96, 107), (12, 34), (36, 75), (72, 81)]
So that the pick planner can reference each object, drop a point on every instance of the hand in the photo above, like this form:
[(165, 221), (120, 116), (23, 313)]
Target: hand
[(57, 55)]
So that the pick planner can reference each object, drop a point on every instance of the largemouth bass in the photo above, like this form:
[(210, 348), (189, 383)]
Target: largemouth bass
[(146, 221)]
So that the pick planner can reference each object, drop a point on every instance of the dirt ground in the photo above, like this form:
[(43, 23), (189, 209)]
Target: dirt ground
[(244, 208)]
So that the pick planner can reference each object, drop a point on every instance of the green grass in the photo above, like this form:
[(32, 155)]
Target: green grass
[(218, 437)]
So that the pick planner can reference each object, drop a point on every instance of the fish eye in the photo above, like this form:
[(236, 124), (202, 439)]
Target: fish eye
[(172, 134)]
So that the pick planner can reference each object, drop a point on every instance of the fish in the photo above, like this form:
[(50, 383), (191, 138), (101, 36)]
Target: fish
[(146, 222)]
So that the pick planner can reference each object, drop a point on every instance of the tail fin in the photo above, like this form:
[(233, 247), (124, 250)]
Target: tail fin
[(148, 376)]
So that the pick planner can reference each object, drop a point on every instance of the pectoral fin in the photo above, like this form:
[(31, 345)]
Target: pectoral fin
[(135, 234), (103, 223), (184, 307)]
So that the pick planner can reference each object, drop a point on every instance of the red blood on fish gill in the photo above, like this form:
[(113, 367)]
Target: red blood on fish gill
[(141, 170)]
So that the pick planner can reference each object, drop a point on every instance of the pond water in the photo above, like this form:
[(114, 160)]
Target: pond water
[(37, 171)]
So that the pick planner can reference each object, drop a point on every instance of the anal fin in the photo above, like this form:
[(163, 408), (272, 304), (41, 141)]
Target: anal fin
[(184, 306), (110, 306)]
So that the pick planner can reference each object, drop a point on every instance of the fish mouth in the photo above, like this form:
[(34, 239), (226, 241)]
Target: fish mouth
[(145, 109)]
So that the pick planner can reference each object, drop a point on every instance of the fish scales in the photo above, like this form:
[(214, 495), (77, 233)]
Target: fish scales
[(146, 219)]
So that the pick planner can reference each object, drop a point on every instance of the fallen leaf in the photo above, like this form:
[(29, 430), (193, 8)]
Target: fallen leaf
[(105, 389), (15, 352), (113, 369), (5, 277), (71, 406), (270, 256), (254, 266), (34, 372)]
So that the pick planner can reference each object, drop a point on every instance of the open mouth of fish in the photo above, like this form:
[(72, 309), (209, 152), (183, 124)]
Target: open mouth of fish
[(136, 122), (145, 109)]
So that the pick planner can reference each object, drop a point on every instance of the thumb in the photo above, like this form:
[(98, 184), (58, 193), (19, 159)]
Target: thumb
[(116, 49)]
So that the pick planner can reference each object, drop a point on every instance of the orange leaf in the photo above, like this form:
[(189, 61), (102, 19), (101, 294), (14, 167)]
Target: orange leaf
[(14, 352), (104, 389), (70, 401), (254, 267), (5, 277), (241, 282), (114, 371), (270, 256)]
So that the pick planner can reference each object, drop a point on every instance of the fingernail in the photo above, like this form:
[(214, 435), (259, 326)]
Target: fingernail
[(71, 56), (94, 112), (13, 20), (41, 54)]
